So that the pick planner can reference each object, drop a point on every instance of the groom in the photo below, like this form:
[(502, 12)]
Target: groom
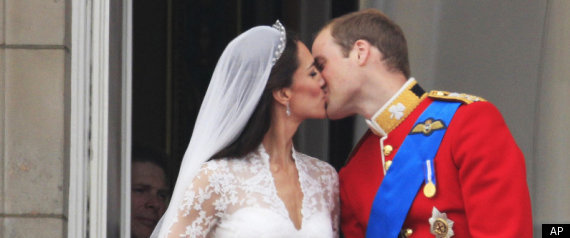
[(432, 164)]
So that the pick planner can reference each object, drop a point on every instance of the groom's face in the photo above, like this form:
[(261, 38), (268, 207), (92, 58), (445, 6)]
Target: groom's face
[(338, 72)]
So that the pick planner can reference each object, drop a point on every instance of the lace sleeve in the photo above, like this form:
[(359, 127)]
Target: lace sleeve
[(201, 207), (334, 202)]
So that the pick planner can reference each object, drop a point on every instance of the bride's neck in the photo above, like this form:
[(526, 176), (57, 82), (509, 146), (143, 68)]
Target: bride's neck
[(278, 139)]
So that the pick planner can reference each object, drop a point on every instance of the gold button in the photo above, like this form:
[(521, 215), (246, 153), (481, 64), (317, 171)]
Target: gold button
[(408, 232), (388, 150), (387, 164)]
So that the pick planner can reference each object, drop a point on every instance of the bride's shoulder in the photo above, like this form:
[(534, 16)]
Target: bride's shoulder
[(214, 164), (231, 165), (215, 170)]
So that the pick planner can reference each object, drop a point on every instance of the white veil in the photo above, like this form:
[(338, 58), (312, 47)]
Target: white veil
[(234, 91)]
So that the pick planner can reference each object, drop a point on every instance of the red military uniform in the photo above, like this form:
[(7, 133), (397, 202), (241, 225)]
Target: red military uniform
[(479, 169)]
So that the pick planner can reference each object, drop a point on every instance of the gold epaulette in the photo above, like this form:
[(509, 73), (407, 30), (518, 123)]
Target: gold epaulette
[(462, 97)]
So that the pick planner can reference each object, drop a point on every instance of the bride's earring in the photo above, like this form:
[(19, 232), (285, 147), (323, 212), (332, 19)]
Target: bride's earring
[(288, 110)]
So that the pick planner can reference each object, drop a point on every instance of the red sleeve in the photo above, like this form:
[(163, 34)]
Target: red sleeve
[(492, 173)]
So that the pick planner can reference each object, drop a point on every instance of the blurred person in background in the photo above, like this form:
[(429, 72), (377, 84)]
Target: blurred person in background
[(150, 191)]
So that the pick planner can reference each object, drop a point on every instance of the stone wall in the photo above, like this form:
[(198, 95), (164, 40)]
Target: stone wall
[(33, 69)]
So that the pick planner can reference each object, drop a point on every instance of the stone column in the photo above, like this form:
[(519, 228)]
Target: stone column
[(2, 109), (32, 118)]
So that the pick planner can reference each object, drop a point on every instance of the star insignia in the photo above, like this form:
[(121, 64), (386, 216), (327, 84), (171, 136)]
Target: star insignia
[(428, 126), (440, 225)]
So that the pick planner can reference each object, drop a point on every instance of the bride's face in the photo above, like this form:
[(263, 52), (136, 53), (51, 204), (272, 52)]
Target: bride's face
[(307, 95)]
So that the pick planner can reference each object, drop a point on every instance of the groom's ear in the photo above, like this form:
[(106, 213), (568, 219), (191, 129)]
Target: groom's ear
[(361, 51), (282, 95)]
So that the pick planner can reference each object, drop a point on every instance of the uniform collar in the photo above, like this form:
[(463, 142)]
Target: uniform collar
[(397, 109)]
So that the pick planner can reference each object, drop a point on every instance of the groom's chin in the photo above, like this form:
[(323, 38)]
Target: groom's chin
[(333, 114)]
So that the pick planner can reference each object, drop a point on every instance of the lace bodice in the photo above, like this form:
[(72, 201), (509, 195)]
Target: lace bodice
[(238, 198)]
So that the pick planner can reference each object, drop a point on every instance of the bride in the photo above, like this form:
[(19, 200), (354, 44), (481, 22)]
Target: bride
[(241, 176)]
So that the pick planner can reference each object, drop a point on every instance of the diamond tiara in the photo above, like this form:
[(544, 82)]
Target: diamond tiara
[(277, 25)]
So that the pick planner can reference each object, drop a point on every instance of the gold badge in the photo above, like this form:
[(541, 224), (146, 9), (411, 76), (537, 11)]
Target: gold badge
[(440, 225), (461, 97), (429, 190), (429, 126)]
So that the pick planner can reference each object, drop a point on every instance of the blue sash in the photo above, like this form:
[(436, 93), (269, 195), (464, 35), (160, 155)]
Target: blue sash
[(407, 172)]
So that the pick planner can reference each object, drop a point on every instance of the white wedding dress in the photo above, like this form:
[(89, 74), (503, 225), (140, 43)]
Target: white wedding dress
[(238, 198)]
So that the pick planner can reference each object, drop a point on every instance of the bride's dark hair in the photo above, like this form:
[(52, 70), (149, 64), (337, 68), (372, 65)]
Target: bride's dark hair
[(281, 76)]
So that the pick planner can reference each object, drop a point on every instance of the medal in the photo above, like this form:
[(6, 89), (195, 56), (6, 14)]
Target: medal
[(429, 189)]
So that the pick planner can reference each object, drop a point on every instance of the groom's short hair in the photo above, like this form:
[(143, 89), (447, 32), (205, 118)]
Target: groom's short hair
[(376, 28)]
